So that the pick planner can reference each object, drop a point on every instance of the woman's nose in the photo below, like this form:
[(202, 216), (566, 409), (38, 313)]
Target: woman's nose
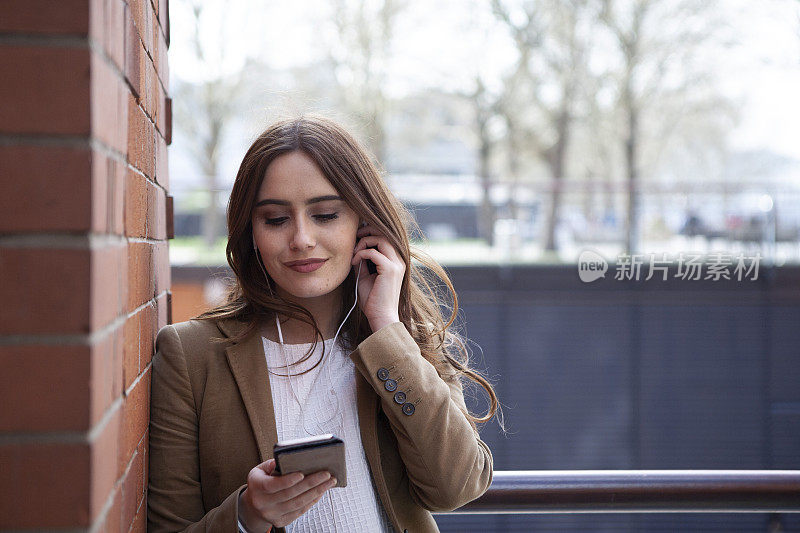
[(302, 237)]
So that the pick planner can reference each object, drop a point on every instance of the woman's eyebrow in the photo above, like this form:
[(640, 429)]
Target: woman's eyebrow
[(316, 199)]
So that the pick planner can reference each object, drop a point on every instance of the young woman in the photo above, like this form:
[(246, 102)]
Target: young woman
[(314, 339)]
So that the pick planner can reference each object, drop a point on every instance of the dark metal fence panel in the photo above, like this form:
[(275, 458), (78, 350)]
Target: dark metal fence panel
[(703, 399), (630, 375)]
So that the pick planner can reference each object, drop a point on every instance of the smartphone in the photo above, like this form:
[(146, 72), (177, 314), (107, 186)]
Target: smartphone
[(312, 454), (371, 268)]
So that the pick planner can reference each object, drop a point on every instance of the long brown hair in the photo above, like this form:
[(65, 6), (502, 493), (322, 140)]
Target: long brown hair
[(351, 171)]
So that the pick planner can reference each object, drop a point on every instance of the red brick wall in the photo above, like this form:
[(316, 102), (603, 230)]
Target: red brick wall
[(85, 219)]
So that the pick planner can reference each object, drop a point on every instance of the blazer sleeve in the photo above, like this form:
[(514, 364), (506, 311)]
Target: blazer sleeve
[(174, 499), (448, 465)]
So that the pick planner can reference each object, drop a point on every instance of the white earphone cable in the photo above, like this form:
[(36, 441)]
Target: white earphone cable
[(289, 374)]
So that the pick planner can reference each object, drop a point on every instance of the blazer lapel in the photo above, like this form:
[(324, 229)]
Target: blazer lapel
[(249, 367)]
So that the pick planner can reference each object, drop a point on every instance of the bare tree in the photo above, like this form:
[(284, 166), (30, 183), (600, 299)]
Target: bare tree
[(485, 108), (486, 130), (203, 111), (658, 42), (360, 56), (596, 142), (542, 89)]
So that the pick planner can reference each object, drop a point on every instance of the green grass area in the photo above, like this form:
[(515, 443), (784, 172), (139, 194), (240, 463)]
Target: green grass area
[(193, 251)]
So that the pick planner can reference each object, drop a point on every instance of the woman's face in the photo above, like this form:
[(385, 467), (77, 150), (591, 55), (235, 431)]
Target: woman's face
[(299, 216)]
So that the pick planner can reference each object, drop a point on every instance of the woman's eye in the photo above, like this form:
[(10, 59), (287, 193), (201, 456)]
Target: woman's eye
[(280, 220)]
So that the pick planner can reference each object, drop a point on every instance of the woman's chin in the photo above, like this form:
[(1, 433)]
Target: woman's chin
[(305, 291)]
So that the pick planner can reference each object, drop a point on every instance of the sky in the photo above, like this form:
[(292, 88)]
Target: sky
[(437, 44), (767, 78)]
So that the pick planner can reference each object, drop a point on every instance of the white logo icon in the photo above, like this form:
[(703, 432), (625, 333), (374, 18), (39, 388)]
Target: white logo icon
[(591, 266)]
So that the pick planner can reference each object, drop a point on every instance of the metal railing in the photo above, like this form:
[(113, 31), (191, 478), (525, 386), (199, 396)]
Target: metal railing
[(639, 491)]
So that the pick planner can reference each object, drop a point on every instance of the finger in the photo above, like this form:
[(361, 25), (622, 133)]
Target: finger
[(289, 510), (373, 255), (268, 466), (305, 508), (290, 517), (366, 280), (307, 499), (383, 244), (277, 484), (360, 268), (369, 255), (384, 264), (309, 483), (365, 230), (367, 241)]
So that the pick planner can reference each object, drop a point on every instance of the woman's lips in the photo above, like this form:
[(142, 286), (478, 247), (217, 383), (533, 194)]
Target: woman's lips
[(311, 266)]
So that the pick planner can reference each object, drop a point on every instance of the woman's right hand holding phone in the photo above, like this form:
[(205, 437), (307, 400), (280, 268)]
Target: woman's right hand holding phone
[(275, 500)]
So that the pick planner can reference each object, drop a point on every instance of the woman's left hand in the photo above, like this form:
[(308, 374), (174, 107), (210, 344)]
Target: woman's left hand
[(378, 294)]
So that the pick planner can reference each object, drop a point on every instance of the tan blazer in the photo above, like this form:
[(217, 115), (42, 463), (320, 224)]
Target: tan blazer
[(212, 420)]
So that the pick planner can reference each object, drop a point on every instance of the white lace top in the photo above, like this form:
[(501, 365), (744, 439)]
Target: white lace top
[(328, 396)]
